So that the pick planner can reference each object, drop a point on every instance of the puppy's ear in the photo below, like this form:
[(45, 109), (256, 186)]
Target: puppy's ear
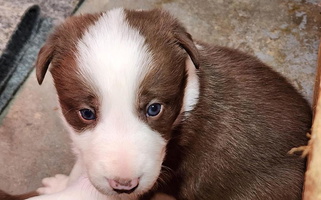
[(186, 42), (45, 56)]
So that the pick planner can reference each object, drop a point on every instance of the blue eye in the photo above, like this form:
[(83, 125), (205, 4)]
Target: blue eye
[(87, 114), (154, 109)]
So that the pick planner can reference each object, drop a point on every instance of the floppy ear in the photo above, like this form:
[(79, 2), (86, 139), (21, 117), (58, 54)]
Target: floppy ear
[(45, 56), (186, 42)]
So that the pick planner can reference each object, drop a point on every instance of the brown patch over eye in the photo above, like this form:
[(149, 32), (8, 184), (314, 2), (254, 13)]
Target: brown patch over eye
[(170, 45), (168, 91), (77, 116), (73, 91), (79, 102)]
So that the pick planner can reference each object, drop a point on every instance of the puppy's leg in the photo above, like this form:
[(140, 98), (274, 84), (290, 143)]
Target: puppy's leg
[(60, 182), (76, 172), (81, 189), (74, 191), (53, 184)]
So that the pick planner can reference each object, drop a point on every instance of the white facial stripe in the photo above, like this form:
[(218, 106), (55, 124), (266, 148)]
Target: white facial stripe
[(112, 55), (113, 60)]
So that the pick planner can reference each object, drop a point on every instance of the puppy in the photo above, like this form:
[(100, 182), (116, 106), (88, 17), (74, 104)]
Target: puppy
[(152, 111)]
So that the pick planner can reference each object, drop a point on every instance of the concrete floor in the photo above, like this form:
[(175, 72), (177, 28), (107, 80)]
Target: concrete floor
[(283, 33), (10, 14)]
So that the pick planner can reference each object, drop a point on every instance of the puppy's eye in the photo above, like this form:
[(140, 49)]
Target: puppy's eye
[(153, 109), (87, 114)]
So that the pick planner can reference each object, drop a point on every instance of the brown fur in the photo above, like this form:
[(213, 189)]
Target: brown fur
[(247, 119), (60, 50), (234, 144), (170, 47), (170, 34)]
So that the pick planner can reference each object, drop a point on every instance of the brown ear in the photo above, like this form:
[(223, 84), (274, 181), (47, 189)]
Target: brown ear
[(45, 56), (186, 42)]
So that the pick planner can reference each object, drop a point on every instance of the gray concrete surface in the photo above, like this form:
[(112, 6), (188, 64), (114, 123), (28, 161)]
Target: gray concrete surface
[(12, 10), (33, 142), (283, 33)]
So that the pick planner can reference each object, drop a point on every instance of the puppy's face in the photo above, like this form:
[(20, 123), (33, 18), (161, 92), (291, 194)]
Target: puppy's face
[(123, 80)]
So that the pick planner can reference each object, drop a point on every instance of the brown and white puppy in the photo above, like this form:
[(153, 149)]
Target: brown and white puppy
[(149, 111)]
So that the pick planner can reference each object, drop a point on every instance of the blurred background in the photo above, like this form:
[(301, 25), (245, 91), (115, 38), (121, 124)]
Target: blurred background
[(285, 34)]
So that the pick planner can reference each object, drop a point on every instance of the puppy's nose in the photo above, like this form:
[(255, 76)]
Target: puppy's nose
[(124, 185)]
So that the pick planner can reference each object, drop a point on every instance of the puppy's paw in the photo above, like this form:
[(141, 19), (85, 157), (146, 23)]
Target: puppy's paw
[(53, 184)]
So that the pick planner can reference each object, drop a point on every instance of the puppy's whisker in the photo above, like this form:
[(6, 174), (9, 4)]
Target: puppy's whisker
[(66, 112)]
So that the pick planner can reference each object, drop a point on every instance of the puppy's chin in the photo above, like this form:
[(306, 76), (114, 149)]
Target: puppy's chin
[(146, 183), (147, 180), (110, 155)]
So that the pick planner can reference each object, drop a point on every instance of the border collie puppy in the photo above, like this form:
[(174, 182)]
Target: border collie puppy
[(151, 111)]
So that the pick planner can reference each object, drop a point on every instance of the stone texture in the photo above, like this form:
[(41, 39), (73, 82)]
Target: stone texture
[(33, 142), (12, 10), (26, 146)]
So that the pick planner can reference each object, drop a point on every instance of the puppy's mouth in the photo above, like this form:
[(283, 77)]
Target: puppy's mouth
[(119, 188), (124, 185), (120, 191)]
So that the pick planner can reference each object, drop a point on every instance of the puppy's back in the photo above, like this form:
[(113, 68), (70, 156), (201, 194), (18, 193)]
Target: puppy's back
[(236, 139)]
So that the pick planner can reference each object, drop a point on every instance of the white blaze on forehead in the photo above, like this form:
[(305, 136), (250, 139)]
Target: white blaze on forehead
[(113, 57)]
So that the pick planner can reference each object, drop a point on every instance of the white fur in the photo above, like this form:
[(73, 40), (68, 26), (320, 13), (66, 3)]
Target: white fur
[(191, 94), (192, 87), (113, 58), (54, 184)]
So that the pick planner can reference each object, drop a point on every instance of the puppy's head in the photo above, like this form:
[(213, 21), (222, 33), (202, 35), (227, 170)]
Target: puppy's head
[(123, 79)]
